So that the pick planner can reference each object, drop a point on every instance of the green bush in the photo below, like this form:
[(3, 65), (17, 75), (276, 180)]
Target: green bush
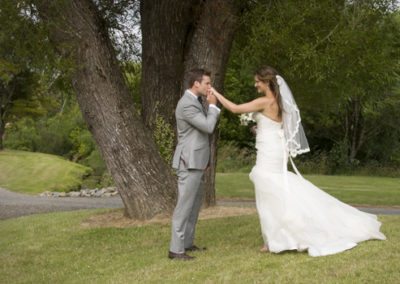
[(100, 176), (232, 158), (106, 180), (313, 164), (164, 136), (22, 135), (96, 162), (64, 134), (83, 144), (54, 135)]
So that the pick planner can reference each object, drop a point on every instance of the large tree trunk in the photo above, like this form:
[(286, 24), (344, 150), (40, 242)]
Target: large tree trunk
[(166, 27), (210, 48), (192, 34), (145, 182)]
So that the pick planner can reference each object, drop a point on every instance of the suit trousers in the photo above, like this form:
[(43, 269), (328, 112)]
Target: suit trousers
[(190, 197)]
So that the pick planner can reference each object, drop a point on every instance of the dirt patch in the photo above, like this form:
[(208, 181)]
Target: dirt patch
[(116, 218)]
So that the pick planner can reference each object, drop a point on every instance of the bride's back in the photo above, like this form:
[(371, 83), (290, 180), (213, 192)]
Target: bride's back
[(271, 109)]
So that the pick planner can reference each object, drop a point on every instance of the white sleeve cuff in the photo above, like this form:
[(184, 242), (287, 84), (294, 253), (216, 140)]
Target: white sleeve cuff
[(214, 106)]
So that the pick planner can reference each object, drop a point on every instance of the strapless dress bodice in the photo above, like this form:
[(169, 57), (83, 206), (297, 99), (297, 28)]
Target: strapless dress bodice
[(267, 128)]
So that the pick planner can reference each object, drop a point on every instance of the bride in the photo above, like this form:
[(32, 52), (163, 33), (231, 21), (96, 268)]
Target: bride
[(294, 214)]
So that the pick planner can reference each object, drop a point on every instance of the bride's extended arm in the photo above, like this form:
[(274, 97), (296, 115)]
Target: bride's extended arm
[(253, 106)]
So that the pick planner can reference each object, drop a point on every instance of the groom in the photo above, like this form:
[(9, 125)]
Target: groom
[(191, 158)]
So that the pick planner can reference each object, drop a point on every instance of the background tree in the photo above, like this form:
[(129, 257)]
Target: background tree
[(145, 182), (192, 34), (341, 60), (24, 64)]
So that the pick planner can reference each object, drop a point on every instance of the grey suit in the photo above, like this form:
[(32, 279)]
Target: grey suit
[(191, 157)]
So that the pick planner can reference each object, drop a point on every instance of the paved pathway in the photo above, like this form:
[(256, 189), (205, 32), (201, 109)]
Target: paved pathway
[(16, 204)]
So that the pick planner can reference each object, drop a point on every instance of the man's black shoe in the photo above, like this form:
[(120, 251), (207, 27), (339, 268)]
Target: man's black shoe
[(179, 256), (195, 248)]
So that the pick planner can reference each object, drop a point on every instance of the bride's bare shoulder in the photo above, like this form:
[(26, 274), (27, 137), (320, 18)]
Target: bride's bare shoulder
[(265, 103), (269, 102), (265, 100)]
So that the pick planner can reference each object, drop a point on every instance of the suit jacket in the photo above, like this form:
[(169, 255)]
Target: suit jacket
[(194, 127)]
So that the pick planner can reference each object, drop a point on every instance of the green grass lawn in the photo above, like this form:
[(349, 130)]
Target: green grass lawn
[(29, 172), (55, 248), (350, 189)]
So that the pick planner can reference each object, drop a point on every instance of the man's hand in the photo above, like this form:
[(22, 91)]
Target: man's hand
[(211, 99)]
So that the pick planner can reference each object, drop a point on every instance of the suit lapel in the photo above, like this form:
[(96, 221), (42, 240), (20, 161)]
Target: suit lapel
[(195, 101)]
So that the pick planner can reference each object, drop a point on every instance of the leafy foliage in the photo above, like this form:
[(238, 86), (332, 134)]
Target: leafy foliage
[(31, 80), (122, 18), (164, 136), (341, 60)]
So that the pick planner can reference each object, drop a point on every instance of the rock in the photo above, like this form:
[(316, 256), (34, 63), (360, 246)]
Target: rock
[(103, 192), (99, 193), (46, 194), (110, 189), (75, 193), (85, 194)]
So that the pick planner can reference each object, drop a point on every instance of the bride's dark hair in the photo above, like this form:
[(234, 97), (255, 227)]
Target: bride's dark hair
[(267, 75)]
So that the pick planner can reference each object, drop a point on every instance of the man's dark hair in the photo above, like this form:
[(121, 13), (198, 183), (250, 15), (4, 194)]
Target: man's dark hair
[(196, 75)]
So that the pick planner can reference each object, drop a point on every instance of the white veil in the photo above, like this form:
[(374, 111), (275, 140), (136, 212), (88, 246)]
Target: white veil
[(296, 140)]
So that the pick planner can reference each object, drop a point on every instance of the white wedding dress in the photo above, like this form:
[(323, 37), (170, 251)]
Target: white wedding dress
[(296, 215)]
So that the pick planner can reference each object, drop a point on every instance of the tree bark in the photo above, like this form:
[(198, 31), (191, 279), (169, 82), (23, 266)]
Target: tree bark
[(166, 30), (192, 34), (145, 182), (210, 48)]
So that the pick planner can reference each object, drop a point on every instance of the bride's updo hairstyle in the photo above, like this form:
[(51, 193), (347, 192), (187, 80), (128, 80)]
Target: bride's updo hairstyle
[(267, 75)]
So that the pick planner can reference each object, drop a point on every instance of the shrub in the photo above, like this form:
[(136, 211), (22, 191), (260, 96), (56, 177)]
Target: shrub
[(164, 136), (22, 135), (232, 158)]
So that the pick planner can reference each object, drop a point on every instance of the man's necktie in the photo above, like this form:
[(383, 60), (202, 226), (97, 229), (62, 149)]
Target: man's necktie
[(200, 99)]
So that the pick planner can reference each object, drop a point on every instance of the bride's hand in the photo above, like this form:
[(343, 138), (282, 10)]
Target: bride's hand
[(214, 92), (217, 95)]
